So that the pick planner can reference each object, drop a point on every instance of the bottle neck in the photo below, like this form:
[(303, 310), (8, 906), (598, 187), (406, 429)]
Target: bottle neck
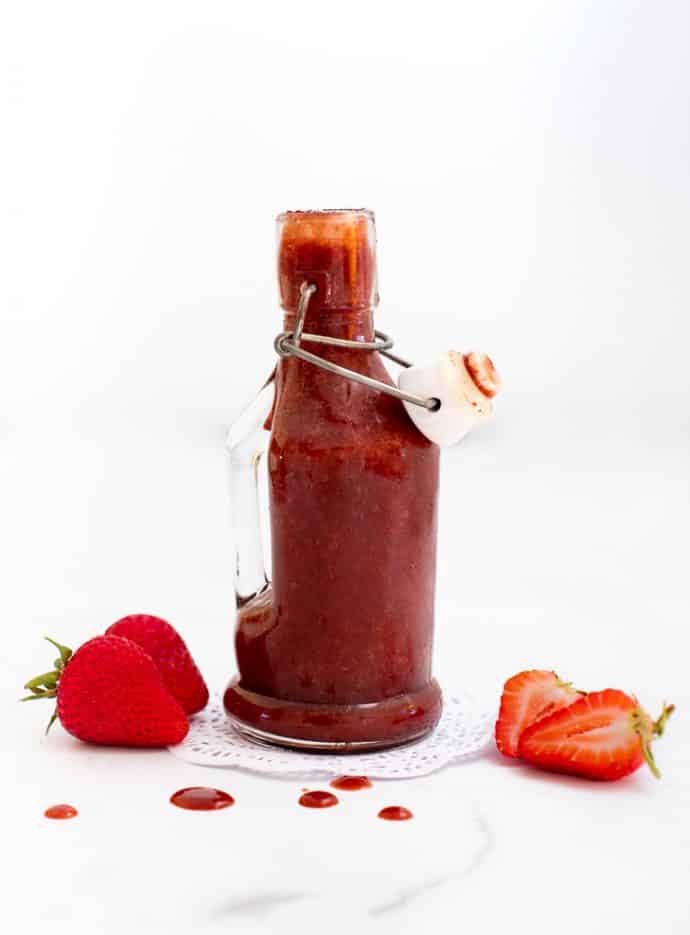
[(335, 251), (350, 324)]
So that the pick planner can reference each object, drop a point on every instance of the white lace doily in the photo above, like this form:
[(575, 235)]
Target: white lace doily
[(465, 728)]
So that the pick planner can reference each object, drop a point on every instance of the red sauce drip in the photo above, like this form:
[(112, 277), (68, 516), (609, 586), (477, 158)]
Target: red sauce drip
[(395, 813), (61, 811), (351, 783), (201, 799), (318, 799)]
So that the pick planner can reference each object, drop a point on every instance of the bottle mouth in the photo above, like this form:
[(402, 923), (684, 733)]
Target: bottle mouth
[(326, 213), (334, 249)]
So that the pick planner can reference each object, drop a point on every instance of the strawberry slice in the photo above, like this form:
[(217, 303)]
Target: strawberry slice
[(605, 735), (527, 697)]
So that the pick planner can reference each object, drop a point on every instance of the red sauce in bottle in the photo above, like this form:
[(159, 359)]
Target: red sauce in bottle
[(318, 799), (351, 783), (61, 811), (338, 649), (201, 799), (395, 813)]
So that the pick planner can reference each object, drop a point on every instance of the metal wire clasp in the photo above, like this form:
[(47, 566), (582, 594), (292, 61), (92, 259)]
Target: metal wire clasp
[(287, 344)]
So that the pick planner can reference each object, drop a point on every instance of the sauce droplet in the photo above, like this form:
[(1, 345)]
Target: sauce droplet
[(395, 813), (351, 783), (61, 811), (318, 799), (201, 799)]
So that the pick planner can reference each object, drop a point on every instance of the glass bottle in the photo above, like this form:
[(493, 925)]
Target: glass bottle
[(335, 651)]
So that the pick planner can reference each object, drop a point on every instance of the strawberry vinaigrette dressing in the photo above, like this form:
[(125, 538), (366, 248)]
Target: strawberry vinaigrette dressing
[(61, 812), (318, 799), (395, 813), (201, 799), (351, 783), (337, 650)]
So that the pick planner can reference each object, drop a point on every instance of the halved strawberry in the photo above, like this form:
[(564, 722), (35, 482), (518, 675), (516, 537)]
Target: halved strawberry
[(605, 735), (527, 697)]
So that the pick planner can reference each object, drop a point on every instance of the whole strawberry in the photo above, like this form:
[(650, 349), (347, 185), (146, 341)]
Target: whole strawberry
[(169, 651), (110, 692)]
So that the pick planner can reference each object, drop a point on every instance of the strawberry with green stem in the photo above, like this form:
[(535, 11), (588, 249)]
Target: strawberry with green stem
[(111, 692)]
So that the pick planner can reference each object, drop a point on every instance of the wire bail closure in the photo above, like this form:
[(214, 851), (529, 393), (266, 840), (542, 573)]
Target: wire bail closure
[(287, 344)]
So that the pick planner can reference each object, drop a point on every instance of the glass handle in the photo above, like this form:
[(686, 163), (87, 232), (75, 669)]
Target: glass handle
[(247, 446)]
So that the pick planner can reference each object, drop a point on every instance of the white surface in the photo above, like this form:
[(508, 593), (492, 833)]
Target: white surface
[(528, 166)]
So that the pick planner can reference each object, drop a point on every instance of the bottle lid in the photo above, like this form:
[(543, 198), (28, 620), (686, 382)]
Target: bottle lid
[(464, 384)]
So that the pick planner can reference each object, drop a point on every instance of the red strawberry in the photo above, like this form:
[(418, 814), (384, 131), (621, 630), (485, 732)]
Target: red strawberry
[(605, 735), (111, 692), (168, 650), (527, 697)]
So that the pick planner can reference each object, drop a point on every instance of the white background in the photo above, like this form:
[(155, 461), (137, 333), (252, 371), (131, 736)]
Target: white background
[(528, 166)]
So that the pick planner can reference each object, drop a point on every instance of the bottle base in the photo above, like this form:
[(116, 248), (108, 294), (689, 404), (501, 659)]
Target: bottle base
[(334, 728)]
